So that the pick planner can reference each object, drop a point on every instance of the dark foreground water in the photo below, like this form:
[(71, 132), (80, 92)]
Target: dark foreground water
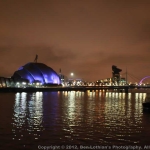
[(72, 120)]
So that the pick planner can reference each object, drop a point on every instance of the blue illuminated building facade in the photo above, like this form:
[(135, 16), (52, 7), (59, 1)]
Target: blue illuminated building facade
[(37, 72)]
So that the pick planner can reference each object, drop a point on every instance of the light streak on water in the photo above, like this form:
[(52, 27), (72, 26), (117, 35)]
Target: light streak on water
[(75, 117)]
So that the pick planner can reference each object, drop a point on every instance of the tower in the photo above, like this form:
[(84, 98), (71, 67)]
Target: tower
[(115, 74), (36, 57)]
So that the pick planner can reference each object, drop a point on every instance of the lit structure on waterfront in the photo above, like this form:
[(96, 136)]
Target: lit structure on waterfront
[(32, 74), (37, 73), (115, 80)]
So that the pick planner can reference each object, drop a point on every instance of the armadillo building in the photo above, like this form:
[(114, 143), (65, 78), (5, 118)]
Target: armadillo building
[(37, 72)]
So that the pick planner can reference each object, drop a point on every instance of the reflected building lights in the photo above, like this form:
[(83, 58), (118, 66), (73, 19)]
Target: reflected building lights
[(129, 96), (100, 93), (113, 115), (90, 105), (144, 96), (129, 105), (138, 106), (27, 113), (118, 109), (71, 105)]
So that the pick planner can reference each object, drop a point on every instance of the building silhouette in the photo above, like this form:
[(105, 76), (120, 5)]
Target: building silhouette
[(116, 74)]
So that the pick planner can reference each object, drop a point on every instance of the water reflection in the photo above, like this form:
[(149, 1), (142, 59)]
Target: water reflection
[(105, 117), (92, 117), (27, 117), (123, 117)]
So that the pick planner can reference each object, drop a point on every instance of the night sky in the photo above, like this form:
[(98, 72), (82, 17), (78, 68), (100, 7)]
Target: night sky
[(86, 37)]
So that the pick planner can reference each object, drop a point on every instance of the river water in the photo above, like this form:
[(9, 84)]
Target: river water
[(49, 120)]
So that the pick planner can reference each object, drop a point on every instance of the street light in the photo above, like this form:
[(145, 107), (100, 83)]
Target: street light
[(72, 74)]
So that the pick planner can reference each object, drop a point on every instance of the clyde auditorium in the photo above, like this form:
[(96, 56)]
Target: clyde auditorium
[(32, 74)]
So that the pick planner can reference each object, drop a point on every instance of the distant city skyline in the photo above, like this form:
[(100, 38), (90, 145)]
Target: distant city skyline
[(84, 37)]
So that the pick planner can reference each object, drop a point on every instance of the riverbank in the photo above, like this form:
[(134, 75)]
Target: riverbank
[(75, 88), (59, 88)]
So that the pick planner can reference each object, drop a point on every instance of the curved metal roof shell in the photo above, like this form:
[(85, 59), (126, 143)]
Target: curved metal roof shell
[(38, 72)]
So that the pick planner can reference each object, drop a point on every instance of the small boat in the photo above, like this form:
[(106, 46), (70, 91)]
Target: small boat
[(146, 103)]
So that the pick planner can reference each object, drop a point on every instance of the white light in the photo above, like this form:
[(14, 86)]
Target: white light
[(71, 74), (23, 83)]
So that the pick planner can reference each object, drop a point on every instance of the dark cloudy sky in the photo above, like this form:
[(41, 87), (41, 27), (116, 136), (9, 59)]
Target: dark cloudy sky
[(86, 37)]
